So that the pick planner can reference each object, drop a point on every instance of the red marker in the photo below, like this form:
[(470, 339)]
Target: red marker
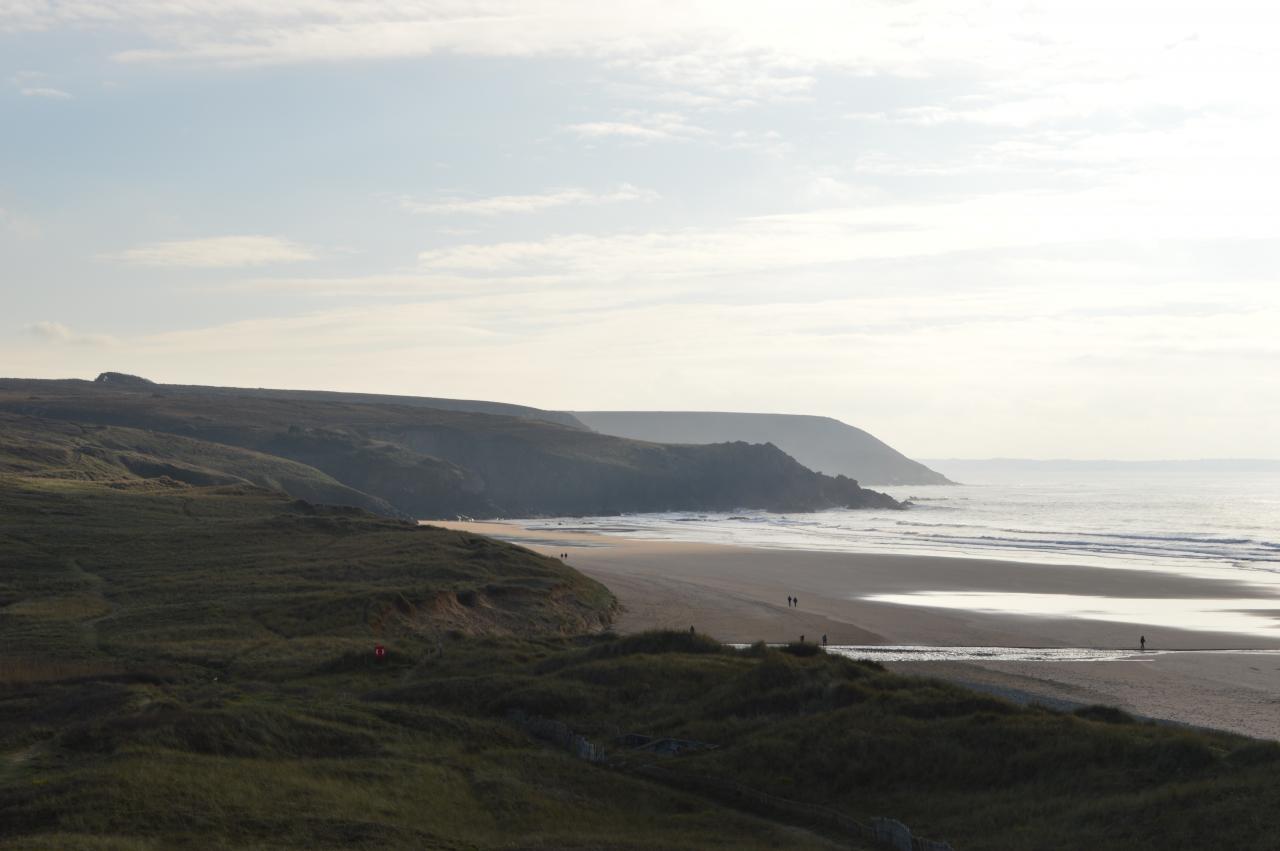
[(379, 651)]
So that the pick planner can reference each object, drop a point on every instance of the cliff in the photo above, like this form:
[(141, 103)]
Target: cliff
[(432, 462), (819, 443)]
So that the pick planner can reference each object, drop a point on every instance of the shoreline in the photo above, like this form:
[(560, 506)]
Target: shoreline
[(739, 595)]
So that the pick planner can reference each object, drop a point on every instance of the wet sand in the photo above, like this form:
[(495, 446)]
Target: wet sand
[(737, 594)]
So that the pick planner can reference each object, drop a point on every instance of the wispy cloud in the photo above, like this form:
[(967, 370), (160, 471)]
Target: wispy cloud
[(44, 92), (641, 127), (32, 84), (56, 332), (509, 204), (19, 226), (1003, 348), (219, 252), (1143, 208)]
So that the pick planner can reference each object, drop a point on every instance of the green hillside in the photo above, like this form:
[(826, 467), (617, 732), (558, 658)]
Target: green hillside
[(60, 449), (193, 666), (429, 462), (186, 666)]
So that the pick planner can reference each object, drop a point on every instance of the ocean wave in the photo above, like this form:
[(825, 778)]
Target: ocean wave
[(1124, 536), (1125, 522)]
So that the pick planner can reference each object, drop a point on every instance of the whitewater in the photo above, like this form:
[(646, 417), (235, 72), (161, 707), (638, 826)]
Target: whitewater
[(1219, 523)]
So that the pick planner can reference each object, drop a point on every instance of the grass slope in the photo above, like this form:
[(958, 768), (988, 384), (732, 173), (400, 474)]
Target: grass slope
[(439, 463), (59, 449), (978, 771), (191, 667)]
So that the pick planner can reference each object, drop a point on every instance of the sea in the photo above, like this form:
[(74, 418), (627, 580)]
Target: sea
[(1176, 521), (1221, 525)]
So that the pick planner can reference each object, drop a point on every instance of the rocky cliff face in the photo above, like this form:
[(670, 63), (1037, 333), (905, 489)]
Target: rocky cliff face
[(819, 443), (610, 476)]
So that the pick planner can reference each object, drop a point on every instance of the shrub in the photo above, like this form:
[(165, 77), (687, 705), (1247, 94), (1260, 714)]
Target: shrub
[(1105, 714)]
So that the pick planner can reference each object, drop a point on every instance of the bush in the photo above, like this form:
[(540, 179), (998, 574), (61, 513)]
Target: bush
[(1105, 714), (1255, 753)]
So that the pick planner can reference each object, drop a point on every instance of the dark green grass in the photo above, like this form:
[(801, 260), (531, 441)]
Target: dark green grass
[(51, 448), (185, 666), (430, 462), (192, 667), (976, 770)]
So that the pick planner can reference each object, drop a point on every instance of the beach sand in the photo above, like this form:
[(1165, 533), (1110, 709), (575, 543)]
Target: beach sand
[(739, 595)]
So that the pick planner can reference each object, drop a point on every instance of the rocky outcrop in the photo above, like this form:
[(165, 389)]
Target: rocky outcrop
[(123, 379)]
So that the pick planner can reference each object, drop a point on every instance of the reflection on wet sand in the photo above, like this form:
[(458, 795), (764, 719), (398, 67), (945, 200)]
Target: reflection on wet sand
[(1255, 616)]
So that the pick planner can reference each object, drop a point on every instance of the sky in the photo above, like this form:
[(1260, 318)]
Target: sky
[(1025, 229)]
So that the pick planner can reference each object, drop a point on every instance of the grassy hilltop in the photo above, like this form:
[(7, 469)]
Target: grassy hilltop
[(186, 660), (433, 462)]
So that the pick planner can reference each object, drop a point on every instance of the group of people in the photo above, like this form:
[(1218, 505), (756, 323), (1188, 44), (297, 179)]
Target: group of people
[(793, 602)]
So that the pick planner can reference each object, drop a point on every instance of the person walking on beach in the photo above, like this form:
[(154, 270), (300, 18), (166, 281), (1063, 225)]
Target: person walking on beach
[(788, 601), (824, 639), (1142, 642)]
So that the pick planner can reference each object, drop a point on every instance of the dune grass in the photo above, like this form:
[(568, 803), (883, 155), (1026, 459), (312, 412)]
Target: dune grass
[(191, 666), (188, 666)]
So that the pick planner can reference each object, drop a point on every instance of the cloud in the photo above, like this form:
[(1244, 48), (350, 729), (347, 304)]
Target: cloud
[(31, 84), (505, 204), (1142, 208), (641, 127), (44, 92), (219, 252), (19, 226), (56, 332), (1194, 372), (1025, 61)]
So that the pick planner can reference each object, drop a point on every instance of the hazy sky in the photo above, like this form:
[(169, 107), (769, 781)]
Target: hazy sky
[(973, 228)]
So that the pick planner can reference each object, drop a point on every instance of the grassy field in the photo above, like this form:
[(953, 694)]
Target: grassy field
[(192, 666)]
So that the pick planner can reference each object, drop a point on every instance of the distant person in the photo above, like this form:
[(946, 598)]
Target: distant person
[(824, 639), (1142, 642), (802, 639), (797, 599), (691, 632), (788, 601)]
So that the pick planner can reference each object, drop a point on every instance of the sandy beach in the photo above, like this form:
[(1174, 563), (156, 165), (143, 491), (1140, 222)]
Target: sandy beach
[(737, 594)]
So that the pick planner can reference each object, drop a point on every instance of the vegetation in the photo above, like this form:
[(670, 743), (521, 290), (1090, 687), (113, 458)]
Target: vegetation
[(432, 462), (976, 770), (55, 448), (193, 665)]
